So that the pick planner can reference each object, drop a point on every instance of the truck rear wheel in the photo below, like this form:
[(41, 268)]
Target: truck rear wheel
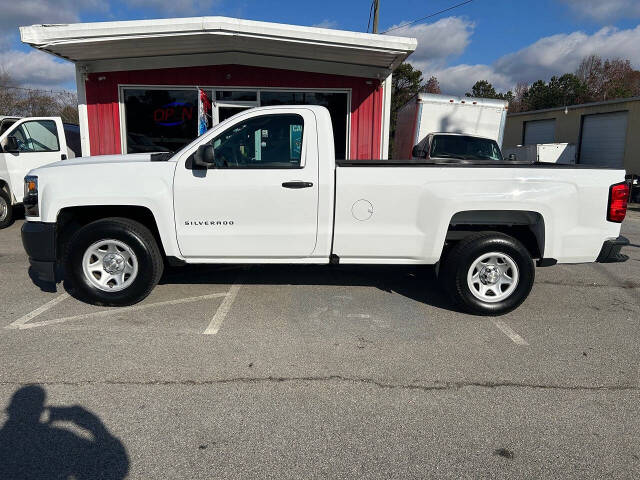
[(113, 262), (488, 273), (6, 210)]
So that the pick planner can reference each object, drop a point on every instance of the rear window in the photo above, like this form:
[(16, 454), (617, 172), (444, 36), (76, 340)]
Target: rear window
[(465, 148)]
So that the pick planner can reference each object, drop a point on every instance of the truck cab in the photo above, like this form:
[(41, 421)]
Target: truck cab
[(25, 144)]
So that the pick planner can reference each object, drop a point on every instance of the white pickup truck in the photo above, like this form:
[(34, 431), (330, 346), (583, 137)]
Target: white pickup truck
[(25, 144), (264, 187)]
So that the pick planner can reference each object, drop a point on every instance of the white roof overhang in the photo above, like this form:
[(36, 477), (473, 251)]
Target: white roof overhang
[(142, 44)]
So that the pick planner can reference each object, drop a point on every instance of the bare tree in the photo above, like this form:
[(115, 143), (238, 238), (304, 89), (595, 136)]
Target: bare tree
[(608, 79), (591, 73), (16, 100), (518, 102), (432, 86), (8, 95), (618, 74)]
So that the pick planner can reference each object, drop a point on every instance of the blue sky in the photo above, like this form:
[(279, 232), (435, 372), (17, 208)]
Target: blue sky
[(504, 41)]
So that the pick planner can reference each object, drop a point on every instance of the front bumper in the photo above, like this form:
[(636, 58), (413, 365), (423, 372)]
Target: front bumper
[(610, 252), (39, 241)]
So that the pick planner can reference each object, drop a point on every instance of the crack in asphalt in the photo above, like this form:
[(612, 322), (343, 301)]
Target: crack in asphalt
[(444, 386), (624, 286)]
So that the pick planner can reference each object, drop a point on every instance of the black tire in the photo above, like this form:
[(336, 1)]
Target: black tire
[(133, 234), (7, 218), (456, 265)]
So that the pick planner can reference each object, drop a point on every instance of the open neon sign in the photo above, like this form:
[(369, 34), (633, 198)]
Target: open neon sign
[(172, 114)]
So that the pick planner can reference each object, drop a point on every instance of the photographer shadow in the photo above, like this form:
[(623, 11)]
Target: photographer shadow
[(34, 449)]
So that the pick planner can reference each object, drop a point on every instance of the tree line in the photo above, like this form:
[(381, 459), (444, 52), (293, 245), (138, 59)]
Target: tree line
[(595, 80), (19, 101)]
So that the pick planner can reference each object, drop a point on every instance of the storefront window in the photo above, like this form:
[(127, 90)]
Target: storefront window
[(336, 103), (160, 120), (236, 96)]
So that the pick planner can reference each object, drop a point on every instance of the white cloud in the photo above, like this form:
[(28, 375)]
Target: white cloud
[(180, 8), (37, 69), (562, 53), (548, 56), (326, 23), (459, 79), (28, 12), (604, 10), (17, 13), (438, 41)]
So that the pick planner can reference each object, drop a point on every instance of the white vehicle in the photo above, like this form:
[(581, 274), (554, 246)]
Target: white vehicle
[(25, 144), (456, 148), (264, 187), (544, 152), (428, 113)]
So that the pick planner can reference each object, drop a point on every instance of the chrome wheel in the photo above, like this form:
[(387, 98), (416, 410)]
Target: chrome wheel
[(4, 209), (493, 277), (110, 265)]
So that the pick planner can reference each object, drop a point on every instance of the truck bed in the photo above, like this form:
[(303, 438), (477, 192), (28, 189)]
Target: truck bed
[(464, 163), (403, 215)]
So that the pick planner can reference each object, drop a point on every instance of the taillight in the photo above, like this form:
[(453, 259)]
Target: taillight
[(618, 198)]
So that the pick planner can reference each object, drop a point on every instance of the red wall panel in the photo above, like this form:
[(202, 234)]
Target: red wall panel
[(103, 107)]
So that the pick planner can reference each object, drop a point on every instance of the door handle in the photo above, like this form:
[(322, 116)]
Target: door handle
[(297, 184), (63, 157)]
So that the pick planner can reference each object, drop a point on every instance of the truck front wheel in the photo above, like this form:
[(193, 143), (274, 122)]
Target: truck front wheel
[(113, 262), (6, 210), (488, 273)]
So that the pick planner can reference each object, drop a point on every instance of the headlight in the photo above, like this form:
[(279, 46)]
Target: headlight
[(30, 200)]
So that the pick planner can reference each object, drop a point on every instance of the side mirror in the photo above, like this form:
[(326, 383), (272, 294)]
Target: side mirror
[(417, 152), (204, 156), (12, 145), (512, 157)]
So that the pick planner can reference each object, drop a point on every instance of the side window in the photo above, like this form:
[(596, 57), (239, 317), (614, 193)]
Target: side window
[(37, 136), (269, 141)]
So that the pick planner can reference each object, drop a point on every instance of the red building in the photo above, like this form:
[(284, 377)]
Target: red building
[(138, 81)]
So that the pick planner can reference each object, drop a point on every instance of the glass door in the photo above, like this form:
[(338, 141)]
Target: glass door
[(227, 111), (231, 102)]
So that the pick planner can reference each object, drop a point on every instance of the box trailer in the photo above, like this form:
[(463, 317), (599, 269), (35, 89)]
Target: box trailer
[(431, 113), (563, 153)]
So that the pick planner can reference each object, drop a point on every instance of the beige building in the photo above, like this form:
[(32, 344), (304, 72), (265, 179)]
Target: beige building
[(605, 133)]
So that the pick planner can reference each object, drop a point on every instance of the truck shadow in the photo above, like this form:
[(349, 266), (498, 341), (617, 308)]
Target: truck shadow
[(418, 283)]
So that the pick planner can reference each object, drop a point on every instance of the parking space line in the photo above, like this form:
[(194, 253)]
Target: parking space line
[(222, 311), (506, 329), (118, 311), (31, 315)]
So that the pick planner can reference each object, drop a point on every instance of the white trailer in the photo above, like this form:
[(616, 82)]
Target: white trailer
[(430, 113), (563, 153)]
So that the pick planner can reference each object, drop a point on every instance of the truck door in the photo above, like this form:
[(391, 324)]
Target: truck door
[(261, 199), (34, 142)]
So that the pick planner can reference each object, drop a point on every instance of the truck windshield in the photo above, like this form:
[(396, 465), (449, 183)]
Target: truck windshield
[(464, 147)]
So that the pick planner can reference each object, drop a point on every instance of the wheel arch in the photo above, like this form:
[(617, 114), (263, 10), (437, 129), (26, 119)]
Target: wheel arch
[(526, 226), (4, 186), (71, 219)]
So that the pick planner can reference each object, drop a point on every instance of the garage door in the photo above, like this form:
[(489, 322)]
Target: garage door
[(539, 131), (603, 139)]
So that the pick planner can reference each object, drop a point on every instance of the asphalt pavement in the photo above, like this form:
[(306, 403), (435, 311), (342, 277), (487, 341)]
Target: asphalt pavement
[(321, 372)]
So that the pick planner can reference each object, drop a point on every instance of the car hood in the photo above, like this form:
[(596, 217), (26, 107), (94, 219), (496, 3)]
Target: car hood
[(102, 159)]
